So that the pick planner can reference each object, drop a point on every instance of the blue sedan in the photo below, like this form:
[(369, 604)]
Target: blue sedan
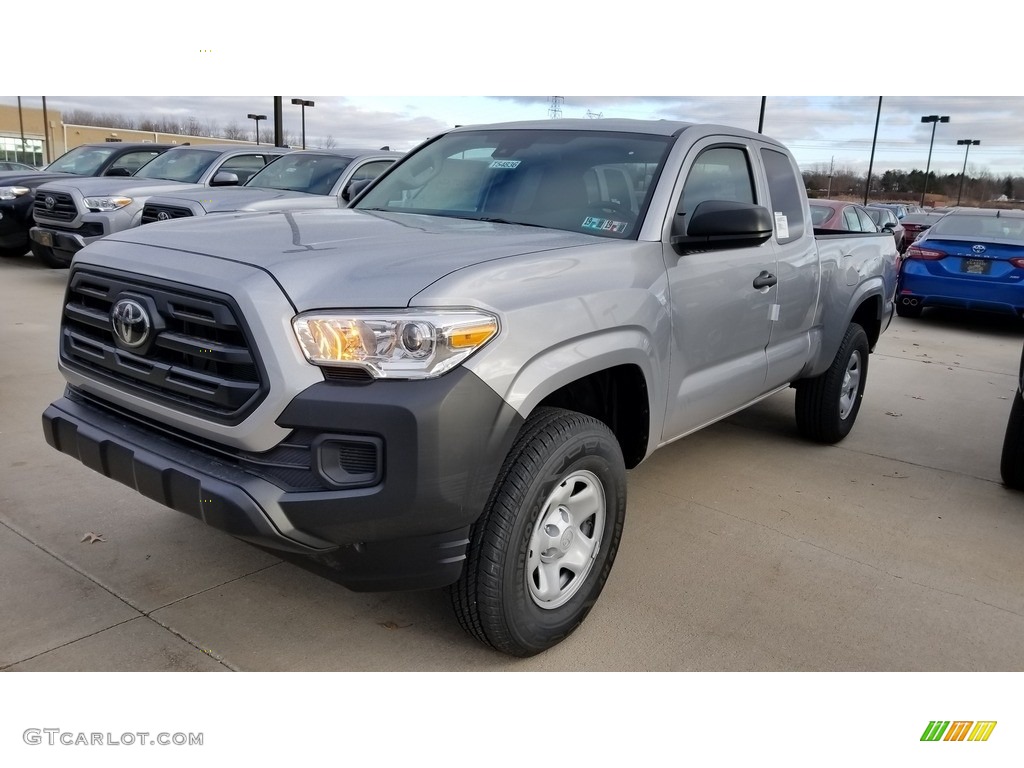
[(971, 258)]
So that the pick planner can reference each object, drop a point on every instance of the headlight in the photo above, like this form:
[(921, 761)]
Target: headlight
[(106, 203), (9, 193), (398, 344)]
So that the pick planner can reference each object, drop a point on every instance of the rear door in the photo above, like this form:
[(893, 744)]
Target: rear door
[(798, 269)]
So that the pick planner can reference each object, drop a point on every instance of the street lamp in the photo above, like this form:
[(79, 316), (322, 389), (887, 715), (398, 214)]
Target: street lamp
[(934, 120), (303, 103), (967, 143), (257, 118)]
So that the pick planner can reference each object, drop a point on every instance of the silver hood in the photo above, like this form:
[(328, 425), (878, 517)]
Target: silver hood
[(345, 258), (117, 185), (220, 199)]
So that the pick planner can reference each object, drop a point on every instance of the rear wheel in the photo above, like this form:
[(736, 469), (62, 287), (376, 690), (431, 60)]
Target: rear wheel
[(827, 405), (1012, 464), (541, 553)]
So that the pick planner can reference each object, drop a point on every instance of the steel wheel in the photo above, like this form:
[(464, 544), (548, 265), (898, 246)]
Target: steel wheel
[(851, 385), (566, 538)]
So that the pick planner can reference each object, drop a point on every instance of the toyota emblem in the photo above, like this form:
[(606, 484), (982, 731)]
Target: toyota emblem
[(130, 322), (978, 248), (163, 216), (49, 202)]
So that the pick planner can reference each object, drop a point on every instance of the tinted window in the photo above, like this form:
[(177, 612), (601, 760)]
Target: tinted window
[(820, 214), (720, 173), (84, 161), (787, 194)]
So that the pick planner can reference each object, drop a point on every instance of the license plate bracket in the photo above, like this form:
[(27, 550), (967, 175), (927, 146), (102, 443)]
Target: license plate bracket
[(975, 266)]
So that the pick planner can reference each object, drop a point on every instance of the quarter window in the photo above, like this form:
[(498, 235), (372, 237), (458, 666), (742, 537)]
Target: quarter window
[(786, 195)]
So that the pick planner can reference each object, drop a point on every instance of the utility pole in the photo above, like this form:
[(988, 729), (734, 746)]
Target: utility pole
[(871, 162), (555, 110), (831, 168), (760, 120), (278, 121)]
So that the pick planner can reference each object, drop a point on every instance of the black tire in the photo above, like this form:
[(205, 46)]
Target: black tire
[(1011, 467), (905, 310), (11, 253), (827, 405), (49, 257), (499, 597)]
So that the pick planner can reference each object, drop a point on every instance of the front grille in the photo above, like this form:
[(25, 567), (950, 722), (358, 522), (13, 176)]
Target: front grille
[(62, 209), (151, 212), (196, 356), (88, 229)]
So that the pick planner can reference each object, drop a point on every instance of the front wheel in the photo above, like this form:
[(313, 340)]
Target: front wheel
[(1011, 466), (541, 552), (827, 405)]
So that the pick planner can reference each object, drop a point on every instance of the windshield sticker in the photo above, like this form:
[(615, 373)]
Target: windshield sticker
[(605, 225), (509, 164), (781, 225)]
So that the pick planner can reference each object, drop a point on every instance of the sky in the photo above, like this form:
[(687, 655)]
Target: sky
[(821, 131), (397, 76)]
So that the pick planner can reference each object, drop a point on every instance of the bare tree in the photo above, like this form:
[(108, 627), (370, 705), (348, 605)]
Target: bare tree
[(233, 131), (327, 142)]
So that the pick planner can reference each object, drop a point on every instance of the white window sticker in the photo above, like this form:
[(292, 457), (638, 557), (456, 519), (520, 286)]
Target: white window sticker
[(781, 225), (509, 164)]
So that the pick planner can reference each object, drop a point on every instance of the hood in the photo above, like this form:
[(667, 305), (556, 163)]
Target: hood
[(29, 179), (220, 199), (117, 185), (348, 258)]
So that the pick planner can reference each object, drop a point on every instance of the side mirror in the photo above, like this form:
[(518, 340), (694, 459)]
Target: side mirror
[(352, 190), (717, 224), (118, 172), (224, 179), (889, 227)]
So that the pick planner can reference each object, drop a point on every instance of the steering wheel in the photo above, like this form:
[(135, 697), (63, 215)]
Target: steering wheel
[(614, 208)]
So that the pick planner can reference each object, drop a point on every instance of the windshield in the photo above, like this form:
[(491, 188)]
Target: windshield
[(313, 174), (82, 161), (595, 182), (186, 165)]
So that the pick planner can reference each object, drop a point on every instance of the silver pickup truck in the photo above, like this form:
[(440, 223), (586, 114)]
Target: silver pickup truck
[(444, 384), (70, 214), (312, 178)]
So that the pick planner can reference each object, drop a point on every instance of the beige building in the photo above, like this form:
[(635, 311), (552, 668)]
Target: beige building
[(47, 138)]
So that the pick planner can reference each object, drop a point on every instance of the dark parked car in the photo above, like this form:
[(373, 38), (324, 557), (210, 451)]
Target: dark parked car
[(18, 188), (885, 219), (1012, 465), (915, 224), (841, 215), (902, 210), (971, 258)]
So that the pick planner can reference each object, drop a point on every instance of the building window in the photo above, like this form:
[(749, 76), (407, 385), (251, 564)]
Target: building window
[(31, 153)]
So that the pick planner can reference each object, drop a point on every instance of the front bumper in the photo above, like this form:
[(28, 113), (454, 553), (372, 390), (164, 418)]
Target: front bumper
[(60, 241), (442, 444)]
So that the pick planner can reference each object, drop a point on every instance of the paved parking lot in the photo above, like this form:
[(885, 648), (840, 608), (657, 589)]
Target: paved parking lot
[(745, 548)]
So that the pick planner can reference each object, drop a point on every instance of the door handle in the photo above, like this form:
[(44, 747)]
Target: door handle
[(765, 280)]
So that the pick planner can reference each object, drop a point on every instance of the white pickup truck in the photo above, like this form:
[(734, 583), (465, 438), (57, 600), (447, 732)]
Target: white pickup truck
[(444, 384)]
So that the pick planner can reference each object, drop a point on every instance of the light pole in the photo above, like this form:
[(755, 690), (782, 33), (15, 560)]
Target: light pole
[(934, 120), (967, 143), (303, 103), (257, 118)]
